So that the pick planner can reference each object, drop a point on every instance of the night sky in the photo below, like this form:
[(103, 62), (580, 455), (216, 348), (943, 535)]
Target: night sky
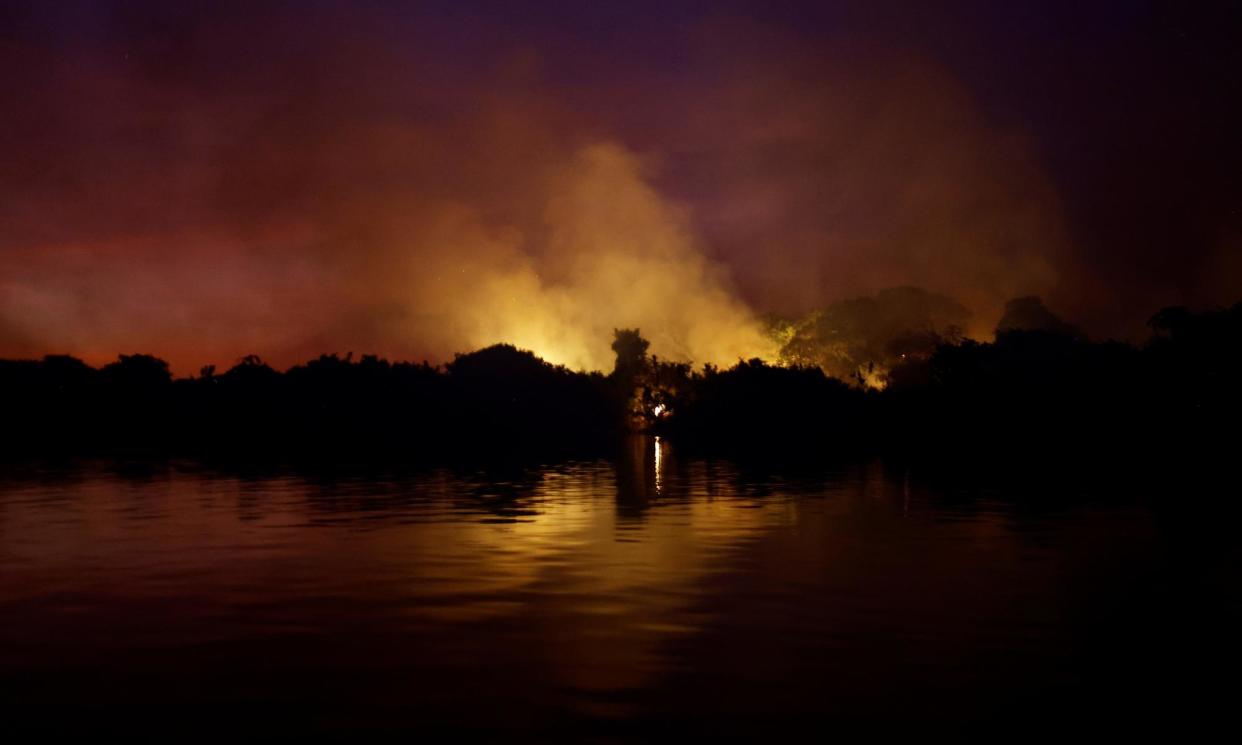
[(207, 180)]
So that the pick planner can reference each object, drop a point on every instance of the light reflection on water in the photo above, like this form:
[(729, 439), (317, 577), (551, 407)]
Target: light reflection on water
[(584, 594)]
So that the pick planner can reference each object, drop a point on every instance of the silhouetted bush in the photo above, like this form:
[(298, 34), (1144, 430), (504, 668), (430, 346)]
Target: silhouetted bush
[(754, 404), (1045, 391)]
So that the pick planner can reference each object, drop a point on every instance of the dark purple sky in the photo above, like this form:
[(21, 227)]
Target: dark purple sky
[(204, 180)]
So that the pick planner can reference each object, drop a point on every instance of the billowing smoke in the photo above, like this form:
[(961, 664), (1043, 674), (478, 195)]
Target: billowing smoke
[(610, 253), (830, 173), (204, 219), (286, 189)]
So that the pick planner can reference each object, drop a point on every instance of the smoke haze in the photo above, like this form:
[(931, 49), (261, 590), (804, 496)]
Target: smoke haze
[(302, 179)]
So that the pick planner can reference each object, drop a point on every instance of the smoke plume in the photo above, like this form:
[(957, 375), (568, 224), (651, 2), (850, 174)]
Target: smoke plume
[(211, 186)]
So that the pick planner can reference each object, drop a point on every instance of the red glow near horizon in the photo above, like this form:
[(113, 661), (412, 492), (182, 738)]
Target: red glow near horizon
[(203, 186)]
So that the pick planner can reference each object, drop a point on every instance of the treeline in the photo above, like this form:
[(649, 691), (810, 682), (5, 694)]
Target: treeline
[(1044, 389), (495, 397), (1050, 389), (1041, 388)]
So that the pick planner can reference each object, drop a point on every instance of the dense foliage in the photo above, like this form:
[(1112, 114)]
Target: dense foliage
[(1047, 388)]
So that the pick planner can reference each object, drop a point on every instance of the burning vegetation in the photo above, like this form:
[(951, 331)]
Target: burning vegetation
[(861, 340)]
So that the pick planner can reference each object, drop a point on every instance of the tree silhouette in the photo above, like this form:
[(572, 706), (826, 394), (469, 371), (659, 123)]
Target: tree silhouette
[(631, 350), (1030, 314), (137, 372)]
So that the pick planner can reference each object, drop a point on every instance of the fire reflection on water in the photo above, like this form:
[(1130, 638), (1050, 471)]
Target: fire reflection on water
[(658, 458), (609, 560), (510, 596), (589, 566)]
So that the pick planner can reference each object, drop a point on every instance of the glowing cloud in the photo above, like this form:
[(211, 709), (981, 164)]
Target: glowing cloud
[(613, 254)]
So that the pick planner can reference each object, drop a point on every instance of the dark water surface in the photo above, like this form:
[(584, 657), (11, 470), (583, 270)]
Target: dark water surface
[(643, 597)]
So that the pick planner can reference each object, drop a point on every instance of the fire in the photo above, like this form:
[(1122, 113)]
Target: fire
[(614, 254), (873, 377)]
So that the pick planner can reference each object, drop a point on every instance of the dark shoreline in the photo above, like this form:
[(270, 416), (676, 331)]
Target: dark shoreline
[(1033, 399)]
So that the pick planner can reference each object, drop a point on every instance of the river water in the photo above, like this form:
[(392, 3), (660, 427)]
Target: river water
[(623, 598)]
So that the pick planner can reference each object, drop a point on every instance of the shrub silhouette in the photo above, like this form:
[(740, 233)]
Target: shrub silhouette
[(1040, 387)]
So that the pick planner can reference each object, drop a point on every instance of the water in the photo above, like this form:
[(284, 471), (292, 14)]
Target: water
[(614, 599)]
